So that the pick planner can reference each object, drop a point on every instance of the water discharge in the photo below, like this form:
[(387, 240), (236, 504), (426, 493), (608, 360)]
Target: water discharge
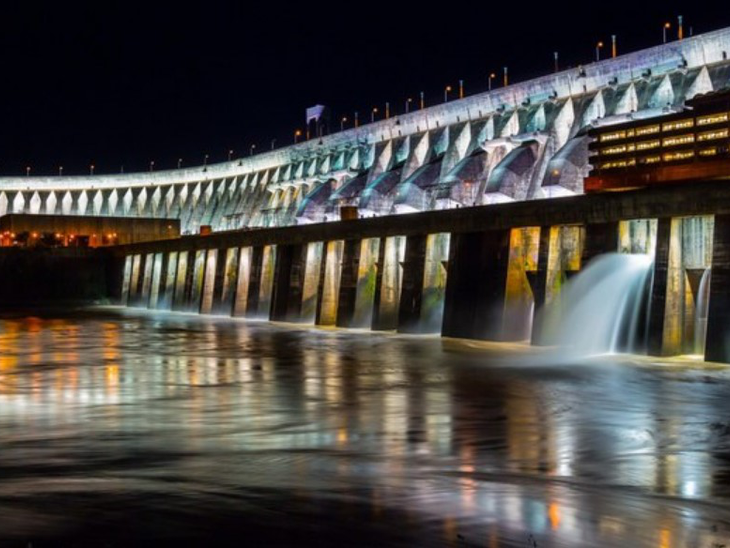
[(703, 306), (602, 309)]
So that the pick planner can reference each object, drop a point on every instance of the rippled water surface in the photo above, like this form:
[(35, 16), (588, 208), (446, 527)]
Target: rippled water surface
[(122, 428)]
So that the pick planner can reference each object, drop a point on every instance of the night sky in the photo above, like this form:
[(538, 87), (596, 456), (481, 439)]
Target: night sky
[(123, 83)]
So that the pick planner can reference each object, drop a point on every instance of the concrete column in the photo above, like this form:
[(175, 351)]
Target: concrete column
[(243, 278), (181, 281), (717, 343), (312, 278), (539, 282), (198, 277), (156, 278), (388, 283), (209, 279), (254, 282), (126, 278), (225, 284), (414, 262), (348, 283), (476, 285), (286, 298), (658, 297), (167, 285), (329, 290), (600, 238)]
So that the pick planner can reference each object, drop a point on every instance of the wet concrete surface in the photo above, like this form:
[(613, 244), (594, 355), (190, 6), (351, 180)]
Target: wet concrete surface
[(124, 428)]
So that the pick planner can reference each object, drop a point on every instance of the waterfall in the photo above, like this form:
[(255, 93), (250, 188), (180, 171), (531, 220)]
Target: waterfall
[(703, 302), (603, 309)]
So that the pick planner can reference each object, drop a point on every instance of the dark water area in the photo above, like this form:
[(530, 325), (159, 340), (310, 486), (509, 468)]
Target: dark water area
[(128, 428)]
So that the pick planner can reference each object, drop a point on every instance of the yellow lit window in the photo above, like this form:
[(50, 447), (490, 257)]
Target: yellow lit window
[(678, 124), (708, 152), (650, 159), (618, 149), (710, 135), (615, 136), (648, 145), (647, 130), (618, 163), (678, 140), (713, 119), (680, 155)]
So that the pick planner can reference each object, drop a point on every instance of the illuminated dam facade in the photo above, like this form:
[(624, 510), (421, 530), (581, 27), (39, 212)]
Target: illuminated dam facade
[(522, 142)]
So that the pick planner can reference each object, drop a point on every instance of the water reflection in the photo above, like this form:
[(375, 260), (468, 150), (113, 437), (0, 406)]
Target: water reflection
[(222, 426)]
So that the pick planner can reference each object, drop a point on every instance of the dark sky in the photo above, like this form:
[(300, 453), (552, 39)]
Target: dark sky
[(123, 83)]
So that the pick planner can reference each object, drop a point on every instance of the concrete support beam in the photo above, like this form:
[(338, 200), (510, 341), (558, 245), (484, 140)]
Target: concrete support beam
[(717, 343), (540, 281), (658, 298), (414, 262), (348, 283), (286, 298), (254, 282), (476, 285)]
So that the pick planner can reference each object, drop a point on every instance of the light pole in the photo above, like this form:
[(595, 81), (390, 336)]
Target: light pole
[(447, 89), (557, 63), (357, 119), (91, 169), (408, 105), (423, 101), (599, 45), (614, 48), (60, 171), (253, 147), (152, 165), (27, 171), (297, 134), (179, 163), (273, 143), (680, 27), (372, 114), (492, 76), (387, 110), (230, 154), (506, 76), (461, 89), (205, 160), (665, 28), (342, 123)]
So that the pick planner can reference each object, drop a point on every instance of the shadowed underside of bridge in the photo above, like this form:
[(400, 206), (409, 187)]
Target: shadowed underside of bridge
[(522, 142)]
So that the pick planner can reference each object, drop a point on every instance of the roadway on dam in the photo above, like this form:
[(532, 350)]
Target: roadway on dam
[(128, 427)]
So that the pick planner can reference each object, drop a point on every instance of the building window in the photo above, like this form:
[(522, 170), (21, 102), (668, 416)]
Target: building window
[(713, 119), (711, 135), (678, 124), (648, 145), (648, 130), (679, 155), (678, 140)]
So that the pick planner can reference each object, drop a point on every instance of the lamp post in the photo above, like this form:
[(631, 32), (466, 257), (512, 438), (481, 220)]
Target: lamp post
[(387, 110), (461, 89), (680, 27), (373, 113), (492, 76), (250, 151), (557, 64), (273, 143), (408, 104), (297, 134), (614, 48), (27, 171), (357, 119), (599, 45), (205, 160), (423, 101), (60, 171), (665, 28), (152, 165), (179, 163), (91, 169), (342, 123), (230, 154), (447, 89), (506, 76)]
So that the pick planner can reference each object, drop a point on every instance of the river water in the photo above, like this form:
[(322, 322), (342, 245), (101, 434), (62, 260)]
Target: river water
[(130, 428)]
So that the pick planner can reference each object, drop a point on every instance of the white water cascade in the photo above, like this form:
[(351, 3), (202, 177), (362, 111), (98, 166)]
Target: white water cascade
[(602, 309), (703, 305)]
